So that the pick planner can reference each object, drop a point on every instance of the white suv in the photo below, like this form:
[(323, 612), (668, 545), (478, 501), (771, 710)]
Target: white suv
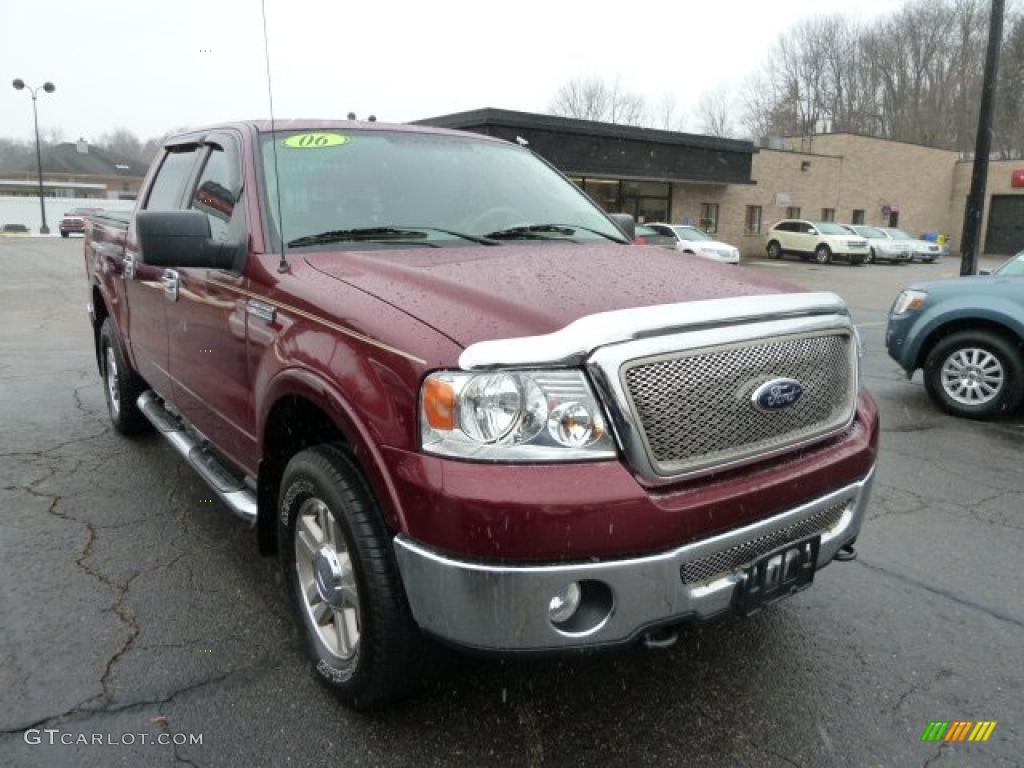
[(822, 241)]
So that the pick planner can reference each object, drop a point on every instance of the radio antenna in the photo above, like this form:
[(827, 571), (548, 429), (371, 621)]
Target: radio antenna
[(283, 264)]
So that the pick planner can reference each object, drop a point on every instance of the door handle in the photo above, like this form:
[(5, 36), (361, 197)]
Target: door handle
[(129, 266), (171, 282)]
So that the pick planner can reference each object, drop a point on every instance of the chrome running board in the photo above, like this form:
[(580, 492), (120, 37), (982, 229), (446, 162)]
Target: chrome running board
[(231, 489)]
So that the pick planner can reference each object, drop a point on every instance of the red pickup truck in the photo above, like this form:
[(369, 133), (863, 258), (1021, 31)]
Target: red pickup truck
[(459, 405)]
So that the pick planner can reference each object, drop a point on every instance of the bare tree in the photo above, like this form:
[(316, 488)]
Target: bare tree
[(586, 98), (666, 114), (1009, 133), (590, 98), (123, 142), (716, 113), (913, 74)]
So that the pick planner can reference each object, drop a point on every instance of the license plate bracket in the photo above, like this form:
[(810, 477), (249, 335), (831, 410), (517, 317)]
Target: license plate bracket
[(777, 575)]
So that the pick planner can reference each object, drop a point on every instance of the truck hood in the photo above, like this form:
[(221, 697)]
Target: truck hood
[(477, 293)]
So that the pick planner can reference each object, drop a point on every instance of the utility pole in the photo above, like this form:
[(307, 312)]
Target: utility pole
[(48, 87), (983, 146)]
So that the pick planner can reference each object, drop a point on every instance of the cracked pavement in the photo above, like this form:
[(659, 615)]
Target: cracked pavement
[(128, 605)]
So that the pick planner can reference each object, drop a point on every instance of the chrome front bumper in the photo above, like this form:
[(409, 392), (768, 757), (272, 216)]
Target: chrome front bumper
[(505, 608)]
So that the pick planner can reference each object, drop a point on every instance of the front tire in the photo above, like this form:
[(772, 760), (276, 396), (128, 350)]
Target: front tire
[(975, 374), (343, 581), (870, 257), (64, 234), (823, 254), (122, 385)]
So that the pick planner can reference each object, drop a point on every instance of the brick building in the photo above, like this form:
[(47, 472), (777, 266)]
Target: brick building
[(861, 179)]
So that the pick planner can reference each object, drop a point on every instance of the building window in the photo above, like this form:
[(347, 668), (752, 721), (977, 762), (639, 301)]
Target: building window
[(858, 216), (752, 224), (709, 217), (828, 214), (793, 212)]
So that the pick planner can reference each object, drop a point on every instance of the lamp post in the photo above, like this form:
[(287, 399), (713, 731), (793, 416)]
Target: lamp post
[(49, 87)]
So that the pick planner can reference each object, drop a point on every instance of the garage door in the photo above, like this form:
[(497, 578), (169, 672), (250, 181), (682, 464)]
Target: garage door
[(1005, 225)]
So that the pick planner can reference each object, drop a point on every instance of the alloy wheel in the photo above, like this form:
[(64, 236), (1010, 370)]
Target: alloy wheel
[(327, 581), (973, 376), (113, 382)]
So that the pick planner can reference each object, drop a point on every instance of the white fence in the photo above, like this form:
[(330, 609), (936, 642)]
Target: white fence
[(25, 210)]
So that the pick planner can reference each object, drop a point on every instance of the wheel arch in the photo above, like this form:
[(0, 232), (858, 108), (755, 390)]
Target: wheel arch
[(100, 312), (301, 409), (957, 324)]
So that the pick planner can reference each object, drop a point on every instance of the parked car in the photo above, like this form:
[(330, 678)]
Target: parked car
[(881, 246), (1012, 268), (821, 240), (967, 336), (924, 250), (697, 242), (494, 425), (14, 229), (647, 235), (74, 220)]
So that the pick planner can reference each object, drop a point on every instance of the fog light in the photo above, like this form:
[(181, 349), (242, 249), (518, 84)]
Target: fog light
[(564, 604)]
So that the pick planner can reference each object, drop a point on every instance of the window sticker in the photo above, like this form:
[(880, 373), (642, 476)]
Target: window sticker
[(315, 140)]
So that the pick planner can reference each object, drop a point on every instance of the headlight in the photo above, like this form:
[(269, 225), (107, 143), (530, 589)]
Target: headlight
[(522, 416), (909, 301)]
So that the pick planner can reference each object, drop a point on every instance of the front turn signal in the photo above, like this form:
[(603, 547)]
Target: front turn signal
[(439, 404)]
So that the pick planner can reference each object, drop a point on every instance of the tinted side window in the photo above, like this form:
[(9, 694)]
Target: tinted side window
[(786, 226), (804, 227), (165, 194), (217, 191)]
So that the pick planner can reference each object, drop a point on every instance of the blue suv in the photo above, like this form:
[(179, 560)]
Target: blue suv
[(967, 335)]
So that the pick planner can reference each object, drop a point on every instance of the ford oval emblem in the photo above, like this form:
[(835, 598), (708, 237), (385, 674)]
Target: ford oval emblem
[(777, 394)]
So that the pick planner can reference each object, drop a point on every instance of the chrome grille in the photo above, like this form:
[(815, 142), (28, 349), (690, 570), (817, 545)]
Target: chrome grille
[(718, 564), (695, 408)]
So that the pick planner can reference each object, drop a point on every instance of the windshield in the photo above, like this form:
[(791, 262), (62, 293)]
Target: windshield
[(691, 233), (1013, 268), (828, 228), (339, 181), (870, 232), (897, 234)]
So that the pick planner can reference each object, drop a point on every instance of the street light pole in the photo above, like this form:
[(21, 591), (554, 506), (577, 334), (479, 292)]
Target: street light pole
[(983, 146), (48, 87)]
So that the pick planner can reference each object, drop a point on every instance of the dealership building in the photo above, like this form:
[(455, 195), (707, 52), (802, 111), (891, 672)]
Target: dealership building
[(737, 190)]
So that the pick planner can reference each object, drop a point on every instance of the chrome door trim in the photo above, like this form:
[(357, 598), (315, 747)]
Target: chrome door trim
[(574, 343), (260, 310), (171, 281)]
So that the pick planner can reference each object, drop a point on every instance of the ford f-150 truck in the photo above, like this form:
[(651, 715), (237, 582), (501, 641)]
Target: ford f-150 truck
[(460, 406)]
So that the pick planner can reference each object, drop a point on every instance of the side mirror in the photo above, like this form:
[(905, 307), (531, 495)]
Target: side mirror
[(180, 239), (985, 272), (626, 223), (812, 231)]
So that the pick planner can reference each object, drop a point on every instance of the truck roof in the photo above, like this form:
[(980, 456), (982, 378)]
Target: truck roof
[(309, 124)]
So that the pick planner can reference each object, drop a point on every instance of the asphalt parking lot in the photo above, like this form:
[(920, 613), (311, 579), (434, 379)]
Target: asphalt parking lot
[(132, 604)]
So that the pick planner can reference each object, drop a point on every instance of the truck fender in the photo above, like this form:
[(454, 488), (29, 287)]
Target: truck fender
[(326, 396)]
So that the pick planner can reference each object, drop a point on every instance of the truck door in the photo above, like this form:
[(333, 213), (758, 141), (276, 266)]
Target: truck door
[(207, 323), (144, 284)]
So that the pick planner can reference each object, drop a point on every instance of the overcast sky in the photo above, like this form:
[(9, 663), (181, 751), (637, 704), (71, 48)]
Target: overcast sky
[(142, 64)]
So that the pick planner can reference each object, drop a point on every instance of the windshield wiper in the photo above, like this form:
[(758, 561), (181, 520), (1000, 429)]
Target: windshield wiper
[(355, 235), (368, 234), (539, 230)]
